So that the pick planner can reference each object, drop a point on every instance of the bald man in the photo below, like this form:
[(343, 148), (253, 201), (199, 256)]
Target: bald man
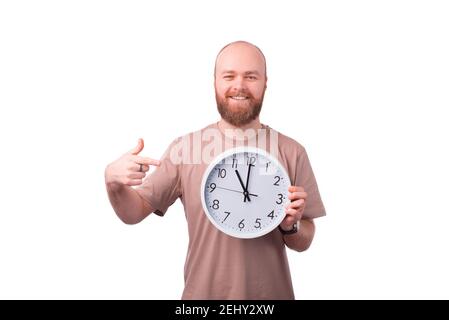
[(219, 266)]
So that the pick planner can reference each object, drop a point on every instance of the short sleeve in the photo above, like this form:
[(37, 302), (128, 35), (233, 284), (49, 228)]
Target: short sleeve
[(162, 187), (305, 178)]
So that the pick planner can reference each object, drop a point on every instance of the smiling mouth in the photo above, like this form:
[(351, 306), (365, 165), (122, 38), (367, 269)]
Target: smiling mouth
[(239, 98)]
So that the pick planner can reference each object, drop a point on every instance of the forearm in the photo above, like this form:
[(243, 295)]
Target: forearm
[(301, 240), (127, 203)]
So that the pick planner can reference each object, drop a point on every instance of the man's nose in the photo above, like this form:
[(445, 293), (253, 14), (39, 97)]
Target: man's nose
[(238, 83)]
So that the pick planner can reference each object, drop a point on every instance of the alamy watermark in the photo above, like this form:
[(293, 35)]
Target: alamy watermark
[(202, 147)]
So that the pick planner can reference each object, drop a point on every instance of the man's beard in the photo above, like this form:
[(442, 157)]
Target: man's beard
[(242, 112)]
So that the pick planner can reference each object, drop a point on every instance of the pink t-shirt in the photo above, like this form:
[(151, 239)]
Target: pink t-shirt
[(219, 266)]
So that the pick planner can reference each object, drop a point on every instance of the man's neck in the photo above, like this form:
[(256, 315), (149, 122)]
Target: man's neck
[(234, 131), (255, 124)]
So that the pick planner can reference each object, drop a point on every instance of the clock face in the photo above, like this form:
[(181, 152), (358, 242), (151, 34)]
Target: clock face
[(244, 192)]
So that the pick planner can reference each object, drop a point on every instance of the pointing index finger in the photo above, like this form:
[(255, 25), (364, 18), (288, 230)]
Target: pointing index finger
[(147, 161)]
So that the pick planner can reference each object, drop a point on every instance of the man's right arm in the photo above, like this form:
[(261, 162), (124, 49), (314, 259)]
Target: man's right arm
[(127, 171)]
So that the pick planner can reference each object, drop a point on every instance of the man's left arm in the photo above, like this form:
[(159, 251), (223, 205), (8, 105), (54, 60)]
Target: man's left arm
[(301, 240)]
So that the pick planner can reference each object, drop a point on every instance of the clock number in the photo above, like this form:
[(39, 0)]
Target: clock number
[(257, 226), (271, 215), (212, 186), (276, 183), (281, 197), (227, 215), (234, 163), (221, 173), (251, 160), (241, 224), (268, 164), (215, 204)]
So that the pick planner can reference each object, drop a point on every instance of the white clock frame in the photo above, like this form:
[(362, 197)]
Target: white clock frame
[(286, 183)]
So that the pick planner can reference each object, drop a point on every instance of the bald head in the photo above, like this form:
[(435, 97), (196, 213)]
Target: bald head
[(240, 56)]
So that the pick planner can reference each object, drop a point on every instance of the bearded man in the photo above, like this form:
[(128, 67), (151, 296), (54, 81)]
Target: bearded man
[(217, 265)]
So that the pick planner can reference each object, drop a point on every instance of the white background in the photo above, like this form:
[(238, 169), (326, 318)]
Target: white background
[(363, 85)]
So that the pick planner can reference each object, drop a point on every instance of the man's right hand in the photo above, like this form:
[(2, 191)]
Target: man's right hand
[(130, 169)]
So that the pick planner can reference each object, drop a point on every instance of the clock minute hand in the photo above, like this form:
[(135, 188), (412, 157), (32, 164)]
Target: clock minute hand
[(245, 193), (247, 179)]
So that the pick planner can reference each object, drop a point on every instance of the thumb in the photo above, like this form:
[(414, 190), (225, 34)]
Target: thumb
[(138, 148)]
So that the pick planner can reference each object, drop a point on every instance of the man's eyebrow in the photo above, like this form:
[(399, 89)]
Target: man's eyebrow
[(252, 72)]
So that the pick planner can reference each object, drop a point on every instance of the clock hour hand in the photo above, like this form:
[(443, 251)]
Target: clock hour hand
[(245, 192)]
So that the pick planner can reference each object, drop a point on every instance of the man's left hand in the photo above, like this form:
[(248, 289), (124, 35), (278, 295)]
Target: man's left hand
[(295, 209)]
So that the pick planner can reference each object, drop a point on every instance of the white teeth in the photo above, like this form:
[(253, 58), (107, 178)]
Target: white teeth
[(239, 98)]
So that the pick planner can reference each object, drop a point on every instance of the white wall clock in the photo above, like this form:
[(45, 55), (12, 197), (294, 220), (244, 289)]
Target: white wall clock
[(244, 192)]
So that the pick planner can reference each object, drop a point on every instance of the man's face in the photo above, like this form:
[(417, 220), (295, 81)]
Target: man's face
[(240, 83)]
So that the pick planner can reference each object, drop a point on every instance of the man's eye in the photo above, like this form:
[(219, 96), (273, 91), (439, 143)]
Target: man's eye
[(251, 78), (227, 77)]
